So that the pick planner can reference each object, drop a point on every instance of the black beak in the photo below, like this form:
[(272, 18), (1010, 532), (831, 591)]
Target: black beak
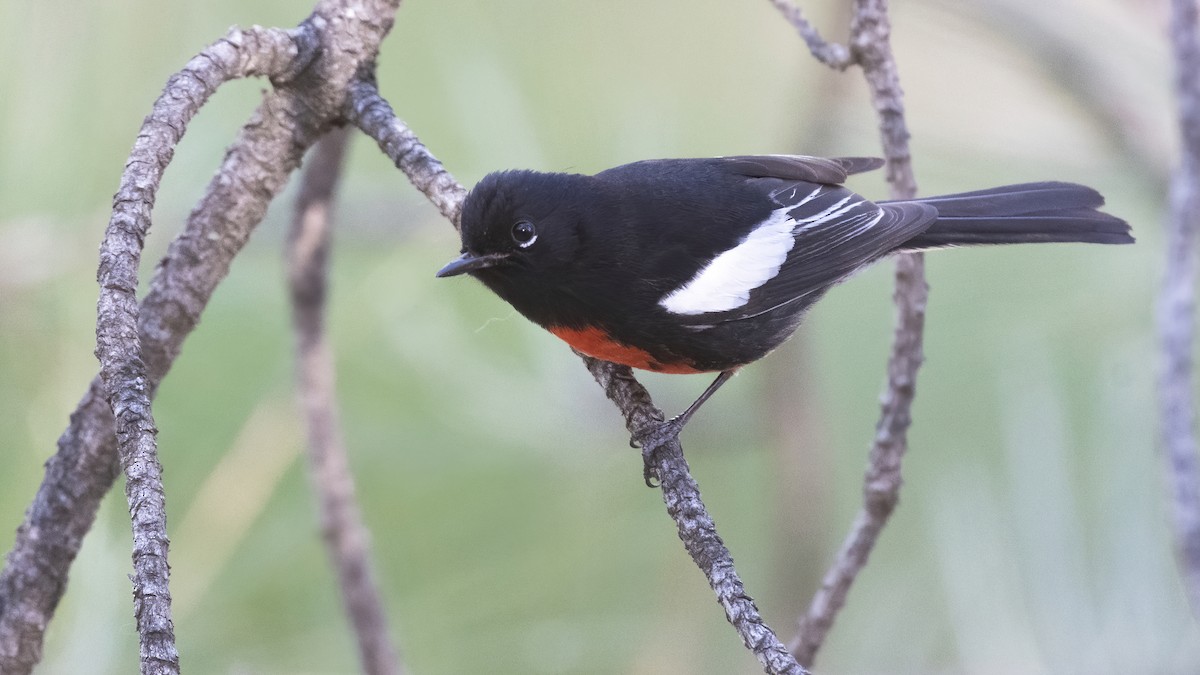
[(469, 263)]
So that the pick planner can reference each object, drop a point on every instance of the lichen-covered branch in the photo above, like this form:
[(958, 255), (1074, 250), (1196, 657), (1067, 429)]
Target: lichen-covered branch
[(346, 536), (680, 493), (1177, 304), (870, 48)]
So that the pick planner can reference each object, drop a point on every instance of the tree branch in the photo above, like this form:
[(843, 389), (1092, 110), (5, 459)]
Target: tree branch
[(1177, 304), (681, 494), (374, 116), (118, 347), (328, 49), (870, 48), (371, 113), (832, 54), (346, 536)]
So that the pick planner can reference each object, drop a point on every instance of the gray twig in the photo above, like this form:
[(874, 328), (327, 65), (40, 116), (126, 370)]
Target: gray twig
[(311, 67), (82, 470), (870, 48), (118, 347), (371, 113), (832, 54), (346, 537), (1177, 304), (680, 493)]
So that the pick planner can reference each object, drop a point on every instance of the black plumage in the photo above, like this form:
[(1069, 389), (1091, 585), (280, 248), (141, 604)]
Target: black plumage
[(691, 265)]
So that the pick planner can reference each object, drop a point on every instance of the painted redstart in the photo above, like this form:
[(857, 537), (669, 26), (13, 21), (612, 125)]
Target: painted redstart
[(705, 265)]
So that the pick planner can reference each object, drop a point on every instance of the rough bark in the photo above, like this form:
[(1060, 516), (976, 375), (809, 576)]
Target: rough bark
[(311, 67), (870, 49), (118, 346)]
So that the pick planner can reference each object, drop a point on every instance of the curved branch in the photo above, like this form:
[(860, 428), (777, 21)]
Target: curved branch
[(334, 34), (1177, 305), (254, 170), (374, 116), (118, 348), (82, 470)]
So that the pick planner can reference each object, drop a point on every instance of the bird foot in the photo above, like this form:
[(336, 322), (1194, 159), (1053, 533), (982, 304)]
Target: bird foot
[(650, 439)]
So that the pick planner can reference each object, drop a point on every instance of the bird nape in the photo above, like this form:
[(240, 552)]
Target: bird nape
[(706, 265)]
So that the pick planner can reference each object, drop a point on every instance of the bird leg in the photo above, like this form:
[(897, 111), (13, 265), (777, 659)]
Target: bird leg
[(654, 437)]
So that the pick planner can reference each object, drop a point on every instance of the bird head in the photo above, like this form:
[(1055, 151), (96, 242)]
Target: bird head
[(517, 223)]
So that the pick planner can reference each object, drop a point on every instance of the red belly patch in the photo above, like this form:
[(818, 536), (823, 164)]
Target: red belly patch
[(598, 344)]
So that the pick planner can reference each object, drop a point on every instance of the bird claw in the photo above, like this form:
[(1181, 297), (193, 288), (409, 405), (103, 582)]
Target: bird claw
[(650, 440), (649, 474)]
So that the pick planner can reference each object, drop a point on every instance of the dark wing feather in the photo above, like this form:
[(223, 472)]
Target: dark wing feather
[(837, 233), (831, 171)]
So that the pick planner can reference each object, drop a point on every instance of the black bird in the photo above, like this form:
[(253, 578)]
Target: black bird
[(705, 265)]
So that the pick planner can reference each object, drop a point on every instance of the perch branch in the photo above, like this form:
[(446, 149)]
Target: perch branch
[(346, 536), (1177, 304), (680, 493), (370, 112), (870, 48)]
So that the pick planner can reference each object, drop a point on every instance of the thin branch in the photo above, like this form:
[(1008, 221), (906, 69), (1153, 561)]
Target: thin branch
[(832, 54), (680, 493), (255, 169), (870, 45), (1177, 304), (118, 347), (81, 472), (346, 536), (371, 113)]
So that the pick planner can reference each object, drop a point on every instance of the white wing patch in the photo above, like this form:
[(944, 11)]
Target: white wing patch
[(726, 282)]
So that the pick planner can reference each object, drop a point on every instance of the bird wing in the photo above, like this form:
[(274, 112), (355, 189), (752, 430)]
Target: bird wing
[(818, 235), (799, 167)]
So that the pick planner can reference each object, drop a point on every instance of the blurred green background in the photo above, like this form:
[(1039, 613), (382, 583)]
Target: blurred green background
[(512, 532)]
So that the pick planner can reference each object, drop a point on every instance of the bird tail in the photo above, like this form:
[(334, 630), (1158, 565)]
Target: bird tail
[(1019, 214)]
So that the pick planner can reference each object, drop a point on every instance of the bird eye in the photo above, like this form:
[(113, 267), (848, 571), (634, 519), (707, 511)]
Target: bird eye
[(524, 233)]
